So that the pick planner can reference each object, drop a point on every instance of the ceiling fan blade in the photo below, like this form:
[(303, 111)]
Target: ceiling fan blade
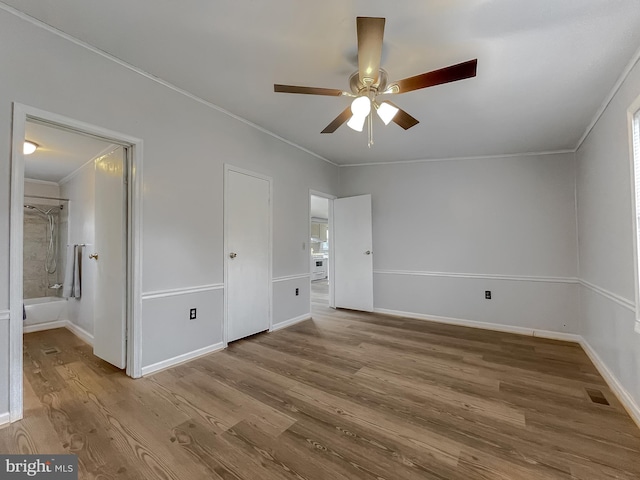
[(402, 118), (333, 92), (370, 32), (437, 77), (339, 120)]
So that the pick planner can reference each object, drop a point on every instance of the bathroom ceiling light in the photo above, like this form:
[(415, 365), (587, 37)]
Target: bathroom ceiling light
[(29, 147)]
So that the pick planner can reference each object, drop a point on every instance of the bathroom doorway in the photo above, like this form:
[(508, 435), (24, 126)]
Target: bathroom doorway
[(74, 240)]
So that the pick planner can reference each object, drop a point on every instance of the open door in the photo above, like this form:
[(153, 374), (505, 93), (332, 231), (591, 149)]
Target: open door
[(110, 319), (353, 252)]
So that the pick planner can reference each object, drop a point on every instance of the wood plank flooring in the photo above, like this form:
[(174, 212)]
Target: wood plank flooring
[(346, 395), (320, 292)]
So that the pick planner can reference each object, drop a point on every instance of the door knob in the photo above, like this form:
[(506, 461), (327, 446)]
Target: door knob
[(368, 252), (233, 255), (94, 256)]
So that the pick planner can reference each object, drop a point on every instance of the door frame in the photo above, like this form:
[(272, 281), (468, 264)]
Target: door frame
[(227, 169), (21, 114), (331, 276)]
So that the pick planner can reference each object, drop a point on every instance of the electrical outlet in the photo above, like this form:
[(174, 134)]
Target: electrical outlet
[(297, 292), (487, 294), (192, 314)]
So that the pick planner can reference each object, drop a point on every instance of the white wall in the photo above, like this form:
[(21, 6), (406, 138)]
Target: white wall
[(186, 144), (42, 189), (443, 231), (605, 232), (446, 231), (80, 190)]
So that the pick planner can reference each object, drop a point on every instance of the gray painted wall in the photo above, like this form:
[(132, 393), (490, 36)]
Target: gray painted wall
[(442, 237), (186, 145), (443, 229), (605, 232)]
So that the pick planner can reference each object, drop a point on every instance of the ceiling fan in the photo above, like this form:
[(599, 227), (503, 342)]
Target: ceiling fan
[(370, 81)]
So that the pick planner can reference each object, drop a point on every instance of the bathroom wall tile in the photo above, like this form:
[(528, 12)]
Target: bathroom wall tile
[(36, 279)]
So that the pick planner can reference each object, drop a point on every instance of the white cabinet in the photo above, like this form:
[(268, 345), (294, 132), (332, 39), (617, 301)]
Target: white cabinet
[(315, 230), (324, 232), (319, 231)]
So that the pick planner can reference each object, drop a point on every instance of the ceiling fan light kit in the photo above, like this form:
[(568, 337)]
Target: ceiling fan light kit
[(356, 123), (370, 81), (386, 112), (361, 106)]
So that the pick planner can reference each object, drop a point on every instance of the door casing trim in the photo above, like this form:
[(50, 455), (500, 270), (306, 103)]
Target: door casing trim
[(22, 113)]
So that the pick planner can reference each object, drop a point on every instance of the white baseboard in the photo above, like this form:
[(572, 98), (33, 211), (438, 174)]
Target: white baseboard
[(72, 327), (532, 332), (38, 327), (5, 418), (291, 321), (79, 332), (185, 357), (616, 387)]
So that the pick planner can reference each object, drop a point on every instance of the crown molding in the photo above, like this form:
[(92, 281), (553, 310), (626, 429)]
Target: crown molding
[(139, 71)]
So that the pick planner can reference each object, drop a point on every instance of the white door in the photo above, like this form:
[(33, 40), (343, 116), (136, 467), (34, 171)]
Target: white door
[(110, 323), (353, 253), (248, 254)]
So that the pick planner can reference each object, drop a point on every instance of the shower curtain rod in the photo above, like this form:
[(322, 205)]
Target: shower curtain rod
[(47, 198)]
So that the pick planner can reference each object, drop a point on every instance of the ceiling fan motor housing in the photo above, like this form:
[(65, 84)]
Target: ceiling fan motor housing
[(358, 87)]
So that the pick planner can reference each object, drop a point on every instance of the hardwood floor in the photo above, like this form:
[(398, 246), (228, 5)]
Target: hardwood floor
[(346, 395), (320, 292)]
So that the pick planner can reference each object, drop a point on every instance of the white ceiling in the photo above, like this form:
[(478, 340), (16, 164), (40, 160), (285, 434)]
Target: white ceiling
[(544, 67), (59, 153)]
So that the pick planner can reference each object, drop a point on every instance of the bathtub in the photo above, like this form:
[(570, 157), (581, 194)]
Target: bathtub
[(44, 312)]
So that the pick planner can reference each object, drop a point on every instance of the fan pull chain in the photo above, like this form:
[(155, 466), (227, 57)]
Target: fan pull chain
[(370, 128)]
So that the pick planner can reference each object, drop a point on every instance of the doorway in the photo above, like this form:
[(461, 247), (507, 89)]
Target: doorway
[(349, 276), (319, 249), (95, 221)]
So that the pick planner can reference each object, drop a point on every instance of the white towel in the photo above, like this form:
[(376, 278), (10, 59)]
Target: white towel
[(77, 273), (67, 286)]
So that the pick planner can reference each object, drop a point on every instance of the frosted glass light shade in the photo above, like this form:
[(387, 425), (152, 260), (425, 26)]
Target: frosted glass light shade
[(386, 112), (29, 147), (357, 122), (361, 106)]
